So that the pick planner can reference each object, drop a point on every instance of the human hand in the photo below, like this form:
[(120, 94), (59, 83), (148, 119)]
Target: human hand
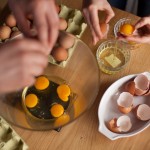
[(44, 15), (141, 33), (20, 62), (90, 12)]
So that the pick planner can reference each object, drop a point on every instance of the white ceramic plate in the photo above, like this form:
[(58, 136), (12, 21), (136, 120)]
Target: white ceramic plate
[(108, 109)]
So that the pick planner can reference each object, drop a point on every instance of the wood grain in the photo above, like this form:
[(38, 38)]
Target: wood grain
[(83, 133)]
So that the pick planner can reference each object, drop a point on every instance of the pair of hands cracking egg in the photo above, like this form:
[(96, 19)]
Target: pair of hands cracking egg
[(139, 86)]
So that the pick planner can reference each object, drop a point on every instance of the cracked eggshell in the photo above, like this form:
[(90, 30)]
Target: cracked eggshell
[(130, 87), (143, 112), (112, 125), (141, 84), (108, 109), (122, 124), (125, 102)]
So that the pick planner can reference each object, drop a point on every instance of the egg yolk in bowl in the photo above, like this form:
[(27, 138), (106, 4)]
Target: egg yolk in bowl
[(57, 110), (31, 100), (41, 83), (63, 92), (127, 29)]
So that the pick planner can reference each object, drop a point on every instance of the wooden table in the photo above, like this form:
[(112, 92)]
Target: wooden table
[(83, 133)]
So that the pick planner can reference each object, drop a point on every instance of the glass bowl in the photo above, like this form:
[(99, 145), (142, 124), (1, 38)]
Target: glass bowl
[(113, 56), (81, 74), (133, 45)]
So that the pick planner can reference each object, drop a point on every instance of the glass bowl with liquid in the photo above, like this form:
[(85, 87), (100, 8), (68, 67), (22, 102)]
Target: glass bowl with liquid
[(133, 45), (113, 56), (76, 74)]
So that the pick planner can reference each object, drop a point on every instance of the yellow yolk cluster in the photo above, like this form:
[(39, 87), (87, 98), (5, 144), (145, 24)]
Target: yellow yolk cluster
[(63, 92)]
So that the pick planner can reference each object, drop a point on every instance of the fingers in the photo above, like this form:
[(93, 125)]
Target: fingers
[(142, 22), (28, 45), (94, 19), (138, 39), (20, 47), (40, 23), (110, 14), (86, 16), (135, 38), (22, 22), (53, 24), (20, 69)]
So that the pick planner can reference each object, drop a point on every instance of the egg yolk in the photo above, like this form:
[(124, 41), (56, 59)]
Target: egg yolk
[(126, 29), (31, 100), (62, 120), (41, 83), (57, 110), (63, 97), (63, 92)]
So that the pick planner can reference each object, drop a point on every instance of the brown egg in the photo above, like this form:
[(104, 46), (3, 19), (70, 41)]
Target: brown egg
[(10, 21), (58, 9), (15, 33), (66, 40), (62, 24), (59, 54), (5, 32), (104, 28)]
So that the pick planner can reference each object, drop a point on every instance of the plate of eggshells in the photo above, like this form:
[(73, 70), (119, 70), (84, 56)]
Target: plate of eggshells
[(124, 109)]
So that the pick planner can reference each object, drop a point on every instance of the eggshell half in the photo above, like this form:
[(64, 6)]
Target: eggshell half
[(130, 87), (112, 125), (125, 102), (124, 123), (143, 112), (141, 84)]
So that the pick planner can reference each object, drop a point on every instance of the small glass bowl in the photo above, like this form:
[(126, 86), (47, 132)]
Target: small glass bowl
[(133, 45), (113, 56)]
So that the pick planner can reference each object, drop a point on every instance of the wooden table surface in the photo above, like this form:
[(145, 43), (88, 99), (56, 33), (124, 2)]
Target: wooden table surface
[(83, 133)]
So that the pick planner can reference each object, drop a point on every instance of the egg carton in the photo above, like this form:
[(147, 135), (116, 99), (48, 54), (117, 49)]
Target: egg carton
[(76, 26), (75, 20), (63, 63), (9, 139)]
